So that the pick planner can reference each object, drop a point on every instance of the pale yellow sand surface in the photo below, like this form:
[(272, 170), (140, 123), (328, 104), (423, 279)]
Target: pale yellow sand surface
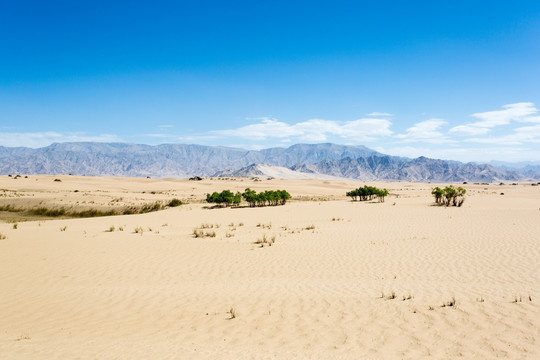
[(72, 289)]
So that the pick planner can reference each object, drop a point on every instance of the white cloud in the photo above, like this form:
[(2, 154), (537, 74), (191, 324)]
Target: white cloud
[(521, 135), (268, 127), (520, 112), (531, 119), (379, 114), (366, 128), (425, 131), (40, 139), (312, 130), (515, 112), (468, 130)]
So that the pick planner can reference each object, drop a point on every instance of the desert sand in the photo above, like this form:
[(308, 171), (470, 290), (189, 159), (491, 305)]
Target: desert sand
[(401, 279)]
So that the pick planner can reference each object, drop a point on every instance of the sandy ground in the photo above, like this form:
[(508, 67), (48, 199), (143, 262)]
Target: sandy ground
[(342, 280)]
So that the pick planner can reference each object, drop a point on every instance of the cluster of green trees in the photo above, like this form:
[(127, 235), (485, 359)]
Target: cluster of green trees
[(368, 193), (449, 195), (225, 197), (268, 197)]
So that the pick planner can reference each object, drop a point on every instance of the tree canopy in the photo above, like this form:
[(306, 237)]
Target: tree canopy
[(225, 197), (368, 193), (268, 197), (449, 196)]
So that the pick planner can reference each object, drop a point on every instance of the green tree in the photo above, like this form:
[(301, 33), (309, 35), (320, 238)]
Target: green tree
[(438, 193), (449, 196), (284, 196)]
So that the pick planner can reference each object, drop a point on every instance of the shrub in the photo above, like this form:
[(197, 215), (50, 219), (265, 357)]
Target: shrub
[(202, 234), (43, 211), (449, 196), (175, 202)]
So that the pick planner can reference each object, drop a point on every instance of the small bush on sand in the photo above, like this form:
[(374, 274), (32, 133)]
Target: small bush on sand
[(175, 202), (203, 234), (449, 196)]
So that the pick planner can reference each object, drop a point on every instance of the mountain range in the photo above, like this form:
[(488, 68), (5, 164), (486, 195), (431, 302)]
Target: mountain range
[(299, 161)]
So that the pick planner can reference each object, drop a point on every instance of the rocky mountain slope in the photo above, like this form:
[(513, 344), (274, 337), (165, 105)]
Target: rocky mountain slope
[(272, 171), (419, 169), (181, 160)]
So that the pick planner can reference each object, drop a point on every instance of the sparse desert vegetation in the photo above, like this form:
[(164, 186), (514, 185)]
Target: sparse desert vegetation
[(449, 196), (265, 241), (304, 268), (264, 198), (72, 212), (367, 193), (198, 233)]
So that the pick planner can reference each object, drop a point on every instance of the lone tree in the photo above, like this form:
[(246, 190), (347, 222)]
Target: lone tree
[(438, 193), (449, 196)]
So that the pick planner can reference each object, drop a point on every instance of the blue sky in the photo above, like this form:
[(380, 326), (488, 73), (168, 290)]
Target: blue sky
[(453, 80)]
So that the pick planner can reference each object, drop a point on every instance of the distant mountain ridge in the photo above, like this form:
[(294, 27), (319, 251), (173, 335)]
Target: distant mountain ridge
[(167, 160), (184, 160)]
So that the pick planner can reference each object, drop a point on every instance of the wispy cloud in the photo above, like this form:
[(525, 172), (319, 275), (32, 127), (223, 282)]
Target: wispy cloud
[(425, 131), (520, 112), (524, 134), (39, 139), (312, 130), (383, 114)]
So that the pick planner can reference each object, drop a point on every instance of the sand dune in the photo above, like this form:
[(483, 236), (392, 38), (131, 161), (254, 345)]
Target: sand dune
[(342, 280)]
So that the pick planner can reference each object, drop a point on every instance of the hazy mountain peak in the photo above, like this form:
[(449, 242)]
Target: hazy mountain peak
[(186, 160)]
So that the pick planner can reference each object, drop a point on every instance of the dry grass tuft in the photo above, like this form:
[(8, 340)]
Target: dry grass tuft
[(265, 241), (451, 303), (23, 337), (203, 234)]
